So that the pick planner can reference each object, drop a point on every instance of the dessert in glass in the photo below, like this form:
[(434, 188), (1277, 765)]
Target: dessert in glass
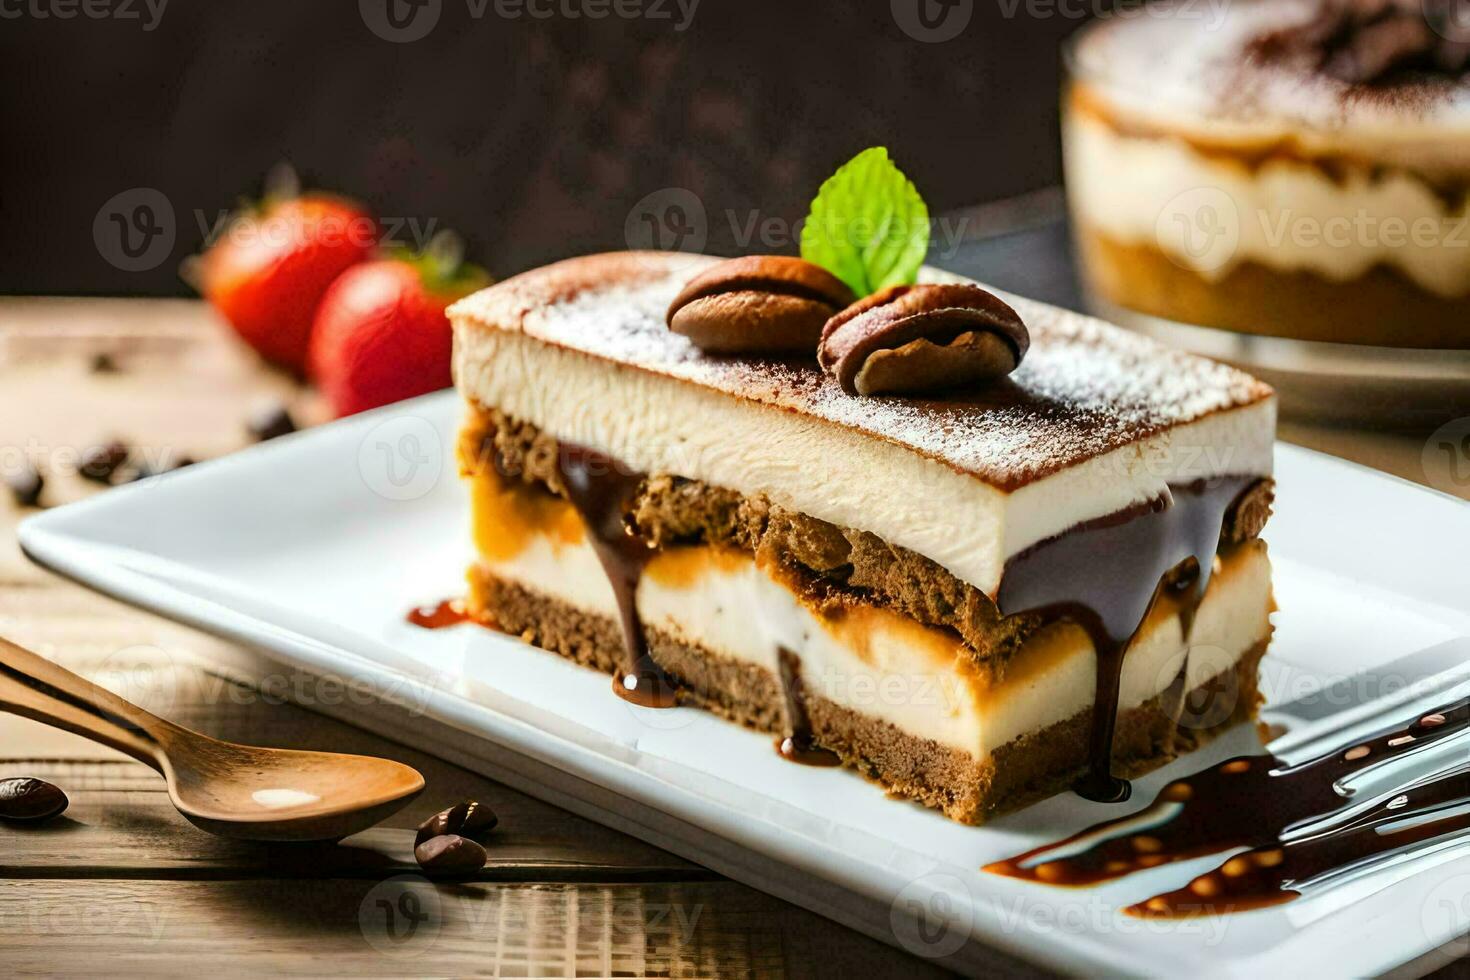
[(1292, 175)]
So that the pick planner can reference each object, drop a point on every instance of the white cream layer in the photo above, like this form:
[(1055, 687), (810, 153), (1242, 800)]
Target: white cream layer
[(1285, 215), (890, 668), (657, 424)]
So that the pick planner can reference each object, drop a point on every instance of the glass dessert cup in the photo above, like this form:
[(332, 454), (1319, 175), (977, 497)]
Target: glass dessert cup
[(1315, 232)]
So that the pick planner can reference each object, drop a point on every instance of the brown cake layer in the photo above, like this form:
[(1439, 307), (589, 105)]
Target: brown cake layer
[(1027, 769), (831, 565), (1382, 307)]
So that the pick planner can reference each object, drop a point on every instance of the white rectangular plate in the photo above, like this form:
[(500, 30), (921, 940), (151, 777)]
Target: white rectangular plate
[(313, 547)]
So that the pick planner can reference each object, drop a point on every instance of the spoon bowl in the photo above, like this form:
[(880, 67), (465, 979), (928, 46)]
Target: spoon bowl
[(230, 790), (283, 794)]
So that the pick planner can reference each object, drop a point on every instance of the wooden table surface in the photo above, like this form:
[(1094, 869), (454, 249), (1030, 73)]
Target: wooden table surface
[(123, 885)]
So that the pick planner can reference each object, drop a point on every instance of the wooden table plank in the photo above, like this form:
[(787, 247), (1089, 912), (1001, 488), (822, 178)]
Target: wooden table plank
[(407, 926), (121, 825), (549, 843)]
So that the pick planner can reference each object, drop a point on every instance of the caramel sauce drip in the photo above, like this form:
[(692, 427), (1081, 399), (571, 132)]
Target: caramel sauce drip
[(1105, 574), (1256, 802)]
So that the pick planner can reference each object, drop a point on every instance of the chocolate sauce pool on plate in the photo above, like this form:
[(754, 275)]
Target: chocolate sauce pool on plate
[(1256, 802), (1105, 574), (450, 612)]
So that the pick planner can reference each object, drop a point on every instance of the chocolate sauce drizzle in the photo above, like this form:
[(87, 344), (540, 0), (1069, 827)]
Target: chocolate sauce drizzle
[(1257, 802), (601, 490), (1105, 574), (799, 745)]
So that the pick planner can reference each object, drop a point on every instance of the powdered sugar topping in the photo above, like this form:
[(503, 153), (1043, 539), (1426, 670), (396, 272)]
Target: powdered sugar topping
[(1085, 388)]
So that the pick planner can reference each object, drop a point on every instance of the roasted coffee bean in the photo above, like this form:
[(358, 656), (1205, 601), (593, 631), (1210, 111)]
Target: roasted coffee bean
[(25, 483), (468, 819), (269, 422), (102, 363), (758, 304), (450, 855), (100, 462), (911, 340), (26, 799)]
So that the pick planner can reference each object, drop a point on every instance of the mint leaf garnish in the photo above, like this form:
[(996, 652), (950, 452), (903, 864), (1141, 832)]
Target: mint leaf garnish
[(868, 226)]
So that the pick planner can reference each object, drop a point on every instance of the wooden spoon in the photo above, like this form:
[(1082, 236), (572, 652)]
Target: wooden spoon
[(226, 789)]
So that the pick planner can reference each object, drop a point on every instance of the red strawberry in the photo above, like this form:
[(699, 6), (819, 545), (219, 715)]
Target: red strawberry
[(381, 334), (271, 268)]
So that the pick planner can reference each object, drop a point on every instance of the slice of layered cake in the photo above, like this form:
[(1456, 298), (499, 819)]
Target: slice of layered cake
[(937, 589)]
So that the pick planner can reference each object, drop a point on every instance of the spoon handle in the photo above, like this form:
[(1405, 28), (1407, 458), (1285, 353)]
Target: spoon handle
[(36, 688)]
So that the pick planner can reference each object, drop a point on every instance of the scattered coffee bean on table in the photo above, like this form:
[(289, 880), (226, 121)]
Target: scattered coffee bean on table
[(144, 470), (25, 484), (100, 462), (468, 819), (102, 363), (269, 422), (25, 799), (450, 855)]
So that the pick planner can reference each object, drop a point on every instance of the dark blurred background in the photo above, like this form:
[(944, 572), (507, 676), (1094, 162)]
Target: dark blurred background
[(536, 128)]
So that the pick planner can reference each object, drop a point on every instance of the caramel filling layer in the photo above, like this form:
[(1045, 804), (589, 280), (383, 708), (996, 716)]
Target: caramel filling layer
[(862, 655), (1105, 576)]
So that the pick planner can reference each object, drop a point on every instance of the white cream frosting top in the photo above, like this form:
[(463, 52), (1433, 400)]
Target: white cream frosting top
[(1095, 420), (1190, 66), (1085, 388)]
